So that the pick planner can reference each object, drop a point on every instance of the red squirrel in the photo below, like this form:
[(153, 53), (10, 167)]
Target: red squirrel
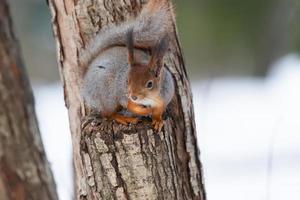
[(126, 67)]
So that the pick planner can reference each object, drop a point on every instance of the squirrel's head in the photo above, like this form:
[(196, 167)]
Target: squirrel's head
[(144, 79)]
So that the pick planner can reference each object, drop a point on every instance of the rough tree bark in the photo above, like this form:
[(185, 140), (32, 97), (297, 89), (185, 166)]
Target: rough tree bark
[(113, 161), (24, 169)]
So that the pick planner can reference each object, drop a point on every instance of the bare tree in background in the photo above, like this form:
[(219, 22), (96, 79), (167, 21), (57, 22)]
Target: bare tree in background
[(24, 169), (113, 161)]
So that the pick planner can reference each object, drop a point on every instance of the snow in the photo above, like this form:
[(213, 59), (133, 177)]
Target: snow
[(248, 132), (54, 126)]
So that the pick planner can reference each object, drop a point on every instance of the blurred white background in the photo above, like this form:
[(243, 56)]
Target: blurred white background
[(248, 133), (243, 61)]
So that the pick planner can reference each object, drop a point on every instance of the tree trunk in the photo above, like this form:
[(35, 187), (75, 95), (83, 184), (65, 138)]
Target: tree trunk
[(113, 161), (24, 169)]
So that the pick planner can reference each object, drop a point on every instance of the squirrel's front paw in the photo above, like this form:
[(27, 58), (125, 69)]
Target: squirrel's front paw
[(157, 124)]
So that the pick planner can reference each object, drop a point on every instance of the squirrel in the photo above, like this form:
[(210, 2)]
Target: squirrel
[(125, 67)]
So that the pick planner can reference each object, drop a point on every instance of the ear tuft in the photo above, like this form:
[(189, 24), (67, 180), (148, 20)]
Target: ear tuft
[(158, 53), (129, 44)]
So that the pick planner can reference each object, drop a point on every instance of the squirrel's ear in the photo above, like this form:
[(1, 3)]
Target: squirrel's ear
[(129, 44), (157, 57)]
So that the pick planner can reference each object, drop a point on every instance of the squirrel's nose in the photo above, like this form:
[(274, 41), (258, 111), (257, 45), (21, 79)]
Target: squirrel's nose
[(133, 97)]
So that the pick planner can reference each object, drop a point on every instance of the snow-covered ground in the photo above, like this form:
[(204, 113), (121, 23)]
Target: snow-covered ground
[(248, 133)]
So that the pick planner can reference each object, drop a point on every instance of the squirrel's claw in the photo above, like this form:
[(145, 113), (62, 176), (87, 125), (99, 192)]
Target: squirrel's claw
[(158, 124)]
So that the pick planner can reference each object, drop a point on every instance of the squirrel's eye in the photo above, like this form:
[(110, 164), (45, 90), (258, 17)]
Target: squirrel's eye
[(149, 84)]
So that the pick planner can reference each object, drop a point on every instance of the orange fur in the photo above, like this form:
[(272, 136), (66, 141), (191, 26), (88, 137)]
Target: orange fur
[(157, 120)]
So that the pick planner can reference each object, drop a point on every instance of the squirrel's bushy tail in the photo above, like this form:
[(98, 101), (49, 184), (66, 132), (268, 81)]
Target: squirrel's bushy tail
[(153, 23)]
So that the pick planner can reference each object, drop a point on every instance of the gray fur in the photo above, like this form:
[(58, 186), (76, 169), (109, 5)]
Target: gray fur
[(106, 87), (167, 86)]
